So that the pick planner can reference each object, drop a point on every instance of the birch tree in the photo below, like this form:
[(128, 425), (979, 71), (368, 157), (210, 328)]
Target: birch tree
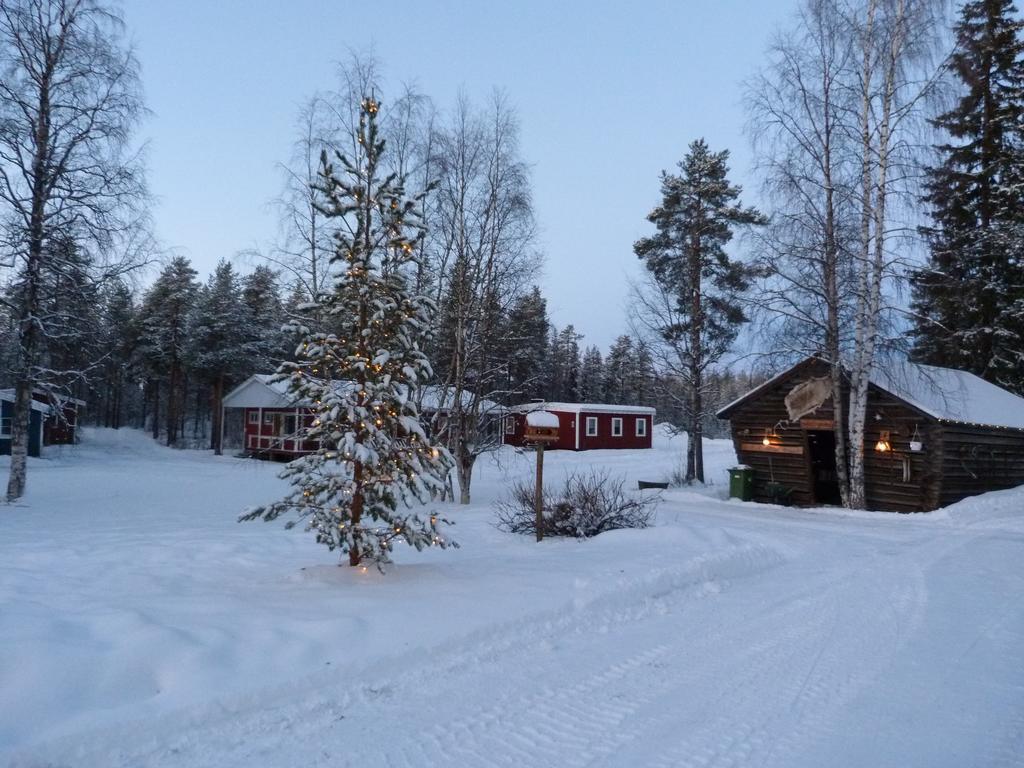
[(799, 116), (69, 99), (837, 115), (896, 40), (484, 257)]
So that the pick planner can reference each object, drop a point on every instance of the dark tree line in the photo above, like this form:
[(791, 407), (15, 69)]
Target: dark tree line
[(164, 359)]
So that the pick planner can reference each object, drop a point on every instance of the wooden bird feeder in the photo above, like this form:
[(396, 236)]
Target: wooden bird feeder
[(541, 427)]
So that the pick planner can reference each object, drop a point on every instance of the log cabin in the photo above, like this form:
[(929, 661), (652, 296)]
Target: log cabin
[(587, 426), (933, 436)]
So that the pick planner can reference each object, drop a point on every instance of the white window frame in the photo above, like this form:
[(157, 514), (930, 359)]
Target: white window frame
[(9, 421), (641, 427), (616, 426), (510, 425), (254, 416), (591, 422), (268, 419)]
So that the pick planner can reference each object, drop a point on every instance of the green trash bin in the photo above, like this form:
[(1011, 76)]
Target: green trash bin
[(741, 482)]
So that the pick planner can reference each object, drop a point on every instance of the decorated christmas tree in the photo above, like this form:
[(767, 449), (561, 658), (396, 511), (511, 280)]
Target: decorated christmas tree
[(370, 459)]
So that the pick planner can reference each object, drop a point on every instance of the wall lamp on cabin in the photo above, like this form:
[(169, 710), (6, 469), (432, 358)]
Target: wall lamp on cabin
[(767, 439), (883, 445)]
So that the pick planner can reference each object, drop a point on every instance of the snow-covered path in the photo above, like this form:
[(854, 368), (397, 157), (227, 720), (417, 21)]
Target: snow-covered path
[(729, 635)]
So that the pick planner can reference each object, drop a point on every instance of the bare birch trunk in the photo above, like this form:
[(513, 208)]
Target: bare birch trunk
[(869, 302)]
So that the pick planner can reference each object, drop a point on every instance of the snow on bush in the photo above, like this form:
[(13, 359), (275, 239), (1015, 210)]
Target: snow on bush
[(586, 505)]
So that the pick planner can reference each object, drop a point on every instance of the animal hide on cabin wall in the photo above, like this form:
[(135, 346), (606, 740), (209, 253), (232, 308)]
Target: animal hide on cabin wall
[(807, 397)]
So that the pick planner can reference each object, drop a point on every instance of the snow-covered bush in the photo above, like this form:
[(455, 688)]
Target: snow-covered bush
[(586, 505)]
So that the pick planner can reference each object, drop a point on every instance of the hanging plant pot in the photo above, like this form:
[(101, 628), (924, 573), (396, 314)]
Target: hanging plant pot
[(915, 441)]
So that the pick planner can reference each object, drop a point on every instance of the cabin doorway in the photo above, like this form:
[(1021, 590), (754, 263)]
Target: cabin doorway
[(821, 448)]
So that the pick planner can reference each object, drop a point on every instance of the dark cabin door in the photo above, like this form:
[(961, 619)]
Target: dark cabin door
[(821, 447)]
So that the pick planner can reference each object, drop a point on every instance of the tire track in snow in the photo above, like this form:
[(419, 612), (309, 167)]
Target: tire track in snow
[(828, 666), (252, 731)]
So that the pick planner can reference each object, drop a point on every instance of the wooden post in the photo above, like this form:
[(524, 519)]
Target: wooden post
[(538, 493)]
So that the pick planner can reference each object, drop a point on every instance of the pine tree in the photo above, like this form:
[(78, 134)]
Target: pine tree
[(687, 259), (265, 317), (362, 380), (220, 339), (165, 314), (592, 376), (968, 300), (528, 346), (617, 383), (564, 369), (642, 376), (120, 339)]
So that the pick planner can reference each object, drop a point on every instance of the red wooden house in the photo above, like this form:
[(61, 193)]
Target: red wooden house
[(587, 426), (273, 420), (61, 424)]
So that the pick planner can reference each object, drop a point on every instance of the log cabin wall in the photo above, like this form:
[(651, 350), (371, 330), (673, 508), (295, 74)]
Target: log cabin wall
[(785, 460), (901, 480), (976, 459)]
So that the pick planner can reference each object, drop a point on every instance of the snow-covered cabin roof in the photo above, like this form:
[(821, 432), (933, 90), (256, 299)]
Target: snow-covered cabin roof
[(7, 395), (261, 390), (945, 394), (951, 395), (584, 408), (542, 419)]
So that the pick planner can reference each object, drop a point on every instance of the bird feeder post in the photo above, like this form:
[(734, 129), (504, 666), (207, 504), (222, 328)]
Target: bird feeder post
[(538, 493), (541, 428)]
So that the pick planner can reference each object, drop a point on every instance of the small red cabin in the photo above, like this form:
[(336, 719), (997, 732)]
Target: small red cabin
[(271, 418), (273, 421), (587, 426), (61, 424)]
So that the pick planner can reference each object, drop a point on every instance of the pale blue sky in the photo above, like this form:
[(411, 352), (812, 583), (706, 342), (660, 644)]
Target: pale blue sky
[(609, 94)]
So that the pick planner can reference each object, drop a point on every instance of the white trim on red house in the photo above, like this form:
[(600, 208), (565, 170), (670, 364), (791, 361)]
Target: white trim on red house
[(592, 421), (641, 427), (617, 422)]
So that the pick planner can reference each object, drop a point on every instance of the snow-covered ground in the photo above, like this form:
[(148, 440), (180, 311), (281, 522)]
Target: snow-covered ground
[(140, 625)]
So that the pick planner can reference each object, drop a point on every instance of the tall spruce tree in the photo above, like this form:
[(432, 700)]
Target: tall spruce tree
[(371, 452), (686, 257), (969, 299)]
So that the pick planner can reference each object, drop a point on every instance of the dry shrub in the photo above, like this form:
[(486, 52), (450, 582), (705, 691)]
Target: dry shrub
[(587, 504)]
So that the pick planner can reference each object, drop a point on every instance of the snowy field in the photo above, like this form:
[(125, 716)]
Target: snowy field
[(140, 625)]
